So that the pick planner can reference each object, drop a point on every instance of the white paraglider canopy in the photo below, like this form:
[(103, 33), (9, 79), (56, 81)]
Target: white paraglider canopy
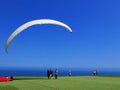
[(31, 23)]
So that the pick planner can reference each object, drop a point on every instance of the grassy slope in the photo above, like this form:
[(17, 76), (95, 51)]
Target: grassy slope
[(63, 83)]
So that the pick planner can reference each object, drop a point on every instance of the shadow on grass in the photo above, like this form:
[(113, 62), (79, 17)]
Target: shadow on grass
[(30, 78), (8, 88)]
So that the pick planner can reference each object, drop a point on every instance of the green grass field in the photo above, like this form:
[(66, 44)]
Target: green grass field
[(62, 83)]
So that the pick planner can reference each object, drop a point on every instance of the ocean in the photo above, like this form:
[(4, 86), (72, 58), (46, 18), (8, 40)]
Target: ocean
[(61, 72)]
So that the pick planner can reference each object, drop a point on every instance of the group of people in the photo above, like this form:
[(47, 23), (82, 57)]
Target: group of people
[(50, 74)]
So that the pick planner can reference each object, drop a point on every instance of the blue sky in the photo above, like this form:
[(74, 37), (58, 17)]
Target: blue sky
[(95, 42)]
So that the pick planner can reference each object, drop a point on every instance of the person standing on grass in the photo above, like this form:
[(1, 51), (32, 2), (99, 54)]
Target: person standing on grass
[(48, 74), (95, 73), (56, 73), (69, 72)]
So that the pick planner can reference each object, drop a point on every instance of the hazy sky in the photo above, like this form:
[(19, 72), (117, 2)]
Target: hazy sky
[(95, 41)]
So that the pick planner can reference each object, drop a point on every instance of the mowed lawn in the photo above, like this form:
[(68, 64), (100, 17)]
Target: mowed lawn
[(62, 83)]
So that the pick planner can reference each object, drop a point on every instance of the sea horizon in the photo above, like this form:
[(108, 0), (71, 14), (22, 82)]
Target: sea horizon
[(62, 71)]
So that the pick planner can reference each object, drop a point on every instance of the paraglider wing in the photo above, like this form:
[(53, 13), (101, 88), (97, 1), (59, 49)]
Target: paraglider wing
[(31, 23)]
